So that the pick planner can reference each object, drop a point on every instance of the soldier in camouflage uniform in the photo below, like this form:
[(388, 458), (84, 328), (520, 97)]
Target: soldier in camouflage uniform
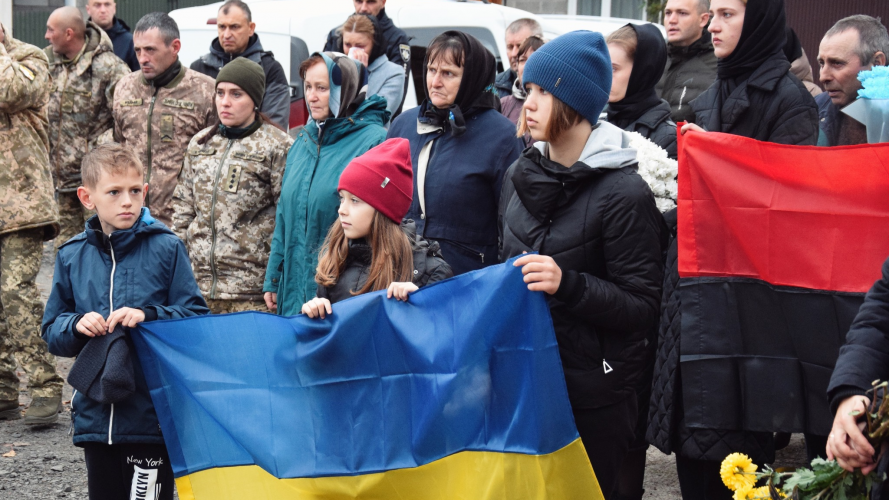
[(224, 206), (84, 70), (28, 217), (158, 109)]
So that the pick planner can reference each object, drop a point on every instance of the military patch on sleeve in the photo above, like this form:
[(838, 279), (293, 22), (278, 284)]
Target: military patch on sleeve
[(131, 102), (405, 52), (27, 72)]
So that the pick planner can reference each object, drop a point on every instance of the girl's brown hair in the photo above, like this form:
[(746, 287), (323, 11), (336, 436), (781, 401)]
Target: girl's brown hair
[(625, 37), (561, 118), (392, 258)]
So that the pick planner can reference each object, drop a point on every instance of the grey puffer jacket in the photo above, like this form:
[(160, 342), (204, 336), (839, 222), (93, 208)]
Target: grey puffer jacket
[(429, 266)]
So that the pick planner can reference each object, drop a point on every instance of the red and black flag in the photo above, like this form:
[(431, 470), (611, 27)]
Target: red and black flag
[(777, 247)]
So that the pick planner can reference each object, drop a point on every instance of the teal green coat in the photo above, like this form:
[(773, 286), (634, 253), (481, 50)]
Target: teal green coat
[(308, 203)]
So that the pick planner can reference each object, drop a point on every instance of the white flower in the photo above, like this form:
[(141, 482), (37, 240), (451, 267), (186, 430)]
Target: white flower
[(657, 170)]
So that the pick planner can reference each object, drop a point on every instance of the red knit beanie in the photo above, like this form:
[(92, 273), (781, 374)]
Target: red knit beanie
[(383, 178)]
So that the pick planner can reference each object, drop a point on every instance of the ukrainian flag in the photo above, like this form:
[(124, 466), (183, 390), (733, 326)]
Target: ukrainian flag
[(456, 394)]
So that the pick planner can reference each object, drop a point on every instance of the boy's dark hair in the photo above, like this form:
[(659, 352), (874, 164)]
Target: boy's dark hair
[(111, 158), (239, 4), (165, 24)]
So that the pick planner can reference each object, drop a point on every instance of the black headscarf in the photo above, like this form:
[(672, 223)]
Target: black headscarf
[(476, 88), (762, 37), (793, 50), (648, 67)]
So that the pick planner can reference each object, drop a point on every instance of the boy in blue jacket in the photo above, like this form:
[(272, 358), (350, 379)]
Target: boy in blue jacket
[(125, 268)]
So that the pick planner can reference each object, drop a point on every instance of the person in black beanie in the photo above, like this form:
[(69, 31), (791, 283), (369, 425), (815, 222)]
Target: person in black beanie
[(576, 199), (638, 56), (460, 148), (754, 96)]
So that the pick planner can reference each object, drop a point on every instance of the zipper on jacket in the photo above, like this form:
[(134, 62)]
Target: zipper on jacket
[(213, 219), (681, 97), (73, 412), (110, 310), (150, 114)]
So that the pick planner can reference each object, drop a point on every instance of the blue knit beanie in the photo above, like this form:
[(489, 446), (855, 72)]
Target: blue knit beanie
[(576, 69)]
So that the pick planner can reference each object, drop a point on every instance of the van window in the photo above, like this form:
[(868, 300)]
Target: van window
[(299, 52)]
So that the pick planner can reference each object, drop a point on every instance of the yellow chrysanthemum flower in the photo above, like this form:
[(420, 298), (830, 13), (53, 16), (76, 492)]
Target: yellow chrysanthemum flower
[(741, 493), (761, 493), (738, 471)]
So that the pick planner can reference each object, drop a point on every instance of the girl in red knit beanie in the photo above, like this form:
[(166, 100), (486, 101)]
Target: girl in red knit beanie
[(369, 247)]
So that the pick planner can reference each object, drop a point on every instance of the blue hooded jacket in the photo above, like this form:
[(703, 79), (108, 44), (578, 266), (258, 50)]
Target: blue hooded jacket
[(122, 41), (146, 267)]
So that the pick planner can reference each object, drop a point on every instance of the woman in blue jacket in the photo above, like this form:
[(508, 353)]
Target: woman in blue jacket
[(460, 148), (344, 124)]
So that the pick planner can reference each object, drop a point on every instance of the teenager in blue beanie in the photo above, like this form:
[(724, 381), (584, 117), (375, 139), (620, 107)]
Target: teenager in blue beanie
[(576, 199)]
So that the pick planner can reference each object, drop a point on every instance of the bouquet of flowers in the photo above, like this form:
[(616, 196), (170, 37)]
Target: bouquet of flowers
[(657, 170), (872, 106), (825, 480)]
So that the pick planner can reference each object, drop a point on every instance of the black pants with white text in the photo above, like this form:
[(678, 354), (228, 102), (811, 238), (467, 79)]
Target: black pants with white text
[(126, 471)]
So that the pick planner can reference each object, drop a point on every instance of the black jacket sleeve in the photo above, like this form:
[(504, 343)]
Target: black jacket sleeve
[(330, 45), (865, 355), (634, 238)]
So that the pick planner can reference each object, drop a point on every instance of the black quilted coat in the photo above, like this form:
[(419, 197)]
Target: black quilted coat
[(602, 228), (771, 105)]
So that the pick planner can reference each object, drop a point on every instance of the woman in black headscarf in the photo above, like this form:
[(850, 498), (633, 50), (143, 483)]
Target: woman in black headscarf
[(755, 96), (638, 56), (460, 148)]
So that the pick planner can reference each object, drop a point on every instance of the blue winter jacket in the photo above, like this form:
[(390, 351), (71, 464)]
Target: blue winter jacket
[(463, 180), (309, 202), (122, 41), (147, 266)]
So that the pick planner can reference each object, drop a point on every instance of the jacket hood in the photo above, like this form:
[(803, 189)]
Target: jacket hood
[(372, 111), (218, 57), (122, 240), (608, 147), (117, 27), (96, 41)]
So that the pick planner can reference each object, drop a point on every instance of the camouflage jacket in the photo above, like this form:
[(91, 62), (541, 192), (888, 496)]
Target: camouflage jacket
[(26, 193), (224, 209), (80, 103), (159, 123)]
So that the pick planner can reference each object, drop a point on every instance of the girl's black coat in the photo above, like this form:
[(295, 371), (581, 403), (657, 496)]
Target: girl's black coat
[(429, 266), (771, 105), (602, 228)]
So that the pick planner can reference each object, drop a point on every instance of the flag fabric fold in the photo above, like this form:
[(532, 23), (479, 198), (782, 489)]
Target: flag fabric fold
[(777, 247), (458, 393)]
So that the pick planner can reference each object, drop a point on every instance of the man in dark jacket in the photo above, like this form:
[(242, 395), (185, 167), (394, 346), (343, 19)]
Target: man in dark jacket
[(102, 12), (853, 44), (397, 43), (516, 33), (864, 358), (237, 39), (691, 65)]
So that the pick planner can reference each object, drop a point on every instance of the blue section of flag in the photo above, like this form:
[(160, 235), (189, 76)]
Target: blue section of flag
[(470, 363)]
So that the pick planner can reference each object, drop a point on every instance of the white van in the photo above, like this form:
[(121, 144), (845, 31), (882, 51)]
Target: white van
[(294, 29)]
